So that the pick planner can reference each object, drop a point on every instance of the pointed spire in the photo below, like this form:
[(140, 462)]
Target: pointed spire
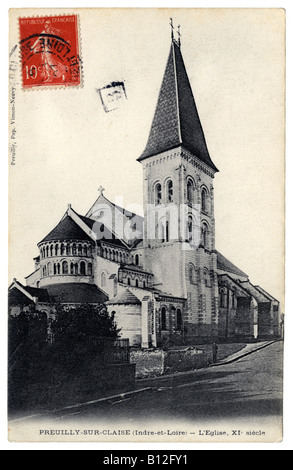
[(176, 121)]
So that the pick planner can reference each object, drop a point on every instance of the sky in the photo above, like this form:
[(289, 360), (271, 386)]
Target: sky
[(67, 146)]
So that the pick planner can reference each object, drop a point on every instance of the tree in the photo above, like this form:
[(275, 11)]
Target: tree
[(82, 325)]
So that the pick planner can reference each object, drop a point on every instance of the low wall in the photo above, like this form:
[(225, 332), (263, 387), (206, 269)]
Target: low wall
[(157, 362)]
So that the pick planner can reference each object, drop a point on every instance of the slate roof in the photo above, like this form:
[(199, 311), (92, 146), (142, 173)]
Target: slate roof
[(225, 265), (73, 292), (67, 229), (176, 121), (125, 298)]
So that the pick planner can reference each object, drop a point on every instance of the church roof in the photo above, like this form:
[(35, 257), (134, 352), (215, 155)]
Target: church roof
[(176, 121), (72, 292), (125, 298), (67, 229), (225, 265)]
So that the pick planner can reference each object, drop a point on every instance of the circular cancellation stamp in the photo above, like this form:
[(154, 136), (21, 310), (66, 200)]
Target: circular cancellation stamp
[(49, 48)]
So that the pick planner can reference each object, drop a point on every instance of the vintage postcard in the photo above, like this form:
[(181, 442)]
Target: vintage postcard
[(146, 225)]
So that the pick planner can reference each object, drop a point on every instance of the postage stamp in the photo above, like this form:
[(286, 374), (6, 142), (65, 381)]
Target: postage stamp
[(49, 49)]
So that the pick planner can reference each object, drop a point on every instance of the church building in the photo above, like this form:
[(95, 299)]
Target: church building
[(161, 274)]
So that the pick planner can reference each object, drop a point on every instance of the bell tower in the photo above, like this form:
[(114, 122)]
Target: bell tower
[(179, 228)]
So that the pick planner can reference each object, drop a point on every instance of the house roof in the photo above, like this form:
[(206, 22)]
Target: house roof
[(125, 298), (176, 121), (225, 265), (66, 229)]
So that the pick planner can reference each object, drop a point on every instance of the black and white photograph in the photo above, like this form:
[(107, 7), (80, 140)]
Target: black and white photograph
[(146, 284)]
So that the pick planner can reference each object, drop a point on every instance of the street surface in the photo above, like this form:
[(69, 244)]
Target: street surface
[(249, 387)]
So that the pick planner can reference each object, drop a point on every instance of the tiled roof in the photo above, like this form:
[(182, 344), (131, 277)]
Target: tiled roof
[(176, 121)]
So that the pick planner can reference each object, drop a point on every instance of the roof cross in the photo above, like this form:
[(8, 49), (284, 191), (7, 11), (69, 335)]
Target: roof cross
[(101, 190)]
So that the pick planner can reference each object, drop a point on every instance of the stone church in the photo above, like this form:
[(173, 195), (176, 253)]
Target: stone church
[(161, 274)]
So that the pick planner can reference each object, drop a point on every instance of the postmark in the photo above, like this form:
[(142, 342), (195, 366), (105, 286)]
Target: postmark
[(50, 51)]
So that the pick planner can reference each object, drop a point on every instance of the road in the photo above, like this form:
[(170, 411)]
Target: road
[(251, 386)]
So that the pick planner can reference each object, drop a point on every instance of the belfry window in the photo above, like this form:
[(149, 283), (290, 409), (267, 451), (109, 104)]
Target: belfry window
[(169, 191), (158, 193), (204, 238), (204, 200), (190, 191)]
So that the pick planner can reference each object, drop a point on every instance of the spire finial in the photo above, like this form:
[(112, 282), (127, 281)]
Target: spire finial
[(172, 28), (178, 35)]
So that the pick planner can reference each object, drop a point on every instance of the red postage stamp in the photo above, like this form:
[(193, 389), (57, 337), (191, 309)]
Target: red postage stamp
[(49, 49)]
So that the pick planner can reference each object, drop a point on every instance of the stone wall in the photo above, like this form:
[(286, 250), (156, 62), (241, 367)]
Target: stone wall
[(157, 362)]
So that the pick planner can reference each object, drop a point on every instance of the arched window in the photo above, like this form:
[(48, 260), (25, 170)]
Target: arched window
[(205, 234), (136, 282), (167, 230), (204, 200), (163, 319), (189, 228), (103, 279), (158, 193), (47, 251), (222, 298), (89, 252), (62, 250), (169, 191), (76, 268), (58, 268), (207, 279), (56, 250), (192, 274), (90, 269), (82, 268), (74, 249), (51, 250), (54, 269), (49, 269), (144, 284), (178, 319), (136, 259), (72, 270), (162, 230), (85, 250), (79, 250), (64, 267), (128, 281), (68, 249), (190, 191)]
